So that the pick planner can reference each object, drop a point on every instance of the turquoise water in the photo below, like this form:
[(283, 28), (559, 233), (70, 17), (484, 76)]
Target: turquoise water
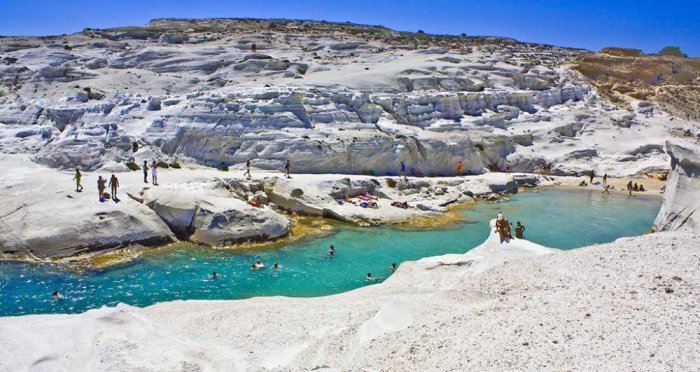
[(556, 218)]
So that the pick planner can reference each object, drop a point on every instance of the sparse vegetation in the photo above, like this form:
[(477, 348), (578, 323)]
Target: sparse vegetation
[(133, 166)]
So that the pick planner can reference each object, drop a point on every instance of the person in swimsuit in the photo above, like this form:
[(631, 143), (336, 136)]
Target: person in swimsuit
[(519, 230), (331, 251), (460, 168), (145, 171), (77, 178), (247, 170), (101, 187), (154, 173), (114, 184)]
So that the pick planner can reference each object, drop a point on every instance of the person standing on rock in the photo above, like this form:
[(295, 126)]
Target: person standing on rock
[(403, 171), (519, 230), (253, 48), (77, 178), (507, 166), (145, 171), (114, 184), (154, 173), (460, 168), (605, 179), (288, 168), (247, 170), (101, 188), (592, 176)]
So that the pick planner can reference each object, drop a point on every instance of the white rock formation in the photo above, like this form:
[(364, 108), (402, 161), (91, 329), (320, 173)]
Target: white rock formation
[(681, 207), (41, 218), (204, 212), (356, 100)]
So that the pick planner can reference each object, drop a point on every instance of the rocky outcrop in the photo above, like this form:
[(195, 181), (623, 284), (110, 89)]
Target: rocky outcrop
[(202, 212), (681, 207), (38, 221)]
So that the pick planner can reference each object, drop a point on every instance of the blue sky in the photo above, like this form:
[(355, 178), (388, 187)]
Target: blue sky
[(645, 24)]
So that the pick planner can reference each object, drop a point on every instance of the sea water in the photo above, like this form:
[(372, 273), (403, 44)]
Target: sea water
[(562, 219)]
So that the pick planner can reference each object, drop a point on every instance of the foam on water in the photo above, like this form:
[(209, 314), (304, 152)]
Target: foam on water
[(555, 218)]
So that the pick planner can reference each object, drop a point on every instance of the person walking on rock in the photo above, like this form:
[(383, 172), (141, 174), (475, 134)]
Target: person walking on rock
[(154, 173), (101, 188), (145, 171), (460, 168), (247, 170), (114, 184), (287, 168), (77, 178)]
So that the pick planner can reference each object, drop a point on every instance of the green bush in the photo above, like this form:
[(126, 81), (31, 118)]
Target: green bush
[(175, 165), (391, 182), (162, 164), (133, 166), (223, 168)]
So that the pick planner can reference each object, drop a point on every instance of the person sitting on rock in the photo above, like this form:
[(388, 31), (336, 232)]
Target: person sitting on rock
[(519, 230), (101, 188), (77, 178), (641, 187), (582, 183), (635, 187)]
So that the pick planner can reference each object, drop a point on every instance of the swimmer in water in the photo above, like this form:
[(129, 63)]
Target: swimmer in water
[(214, 275), (393, 267), (276, 266), (56, 296), (370, 278), (331, 251)]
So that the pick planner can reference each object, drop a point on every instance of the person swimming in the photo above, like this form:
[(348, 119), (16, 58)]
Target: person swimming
[(56, 296), (276, 266), (331, 251), (259, 264), (393, 267), (214, 275), (370, 278)]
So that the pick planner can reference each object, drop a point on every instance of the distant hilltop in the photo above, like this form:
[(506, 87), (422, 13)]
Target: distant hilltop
[(156, 27)]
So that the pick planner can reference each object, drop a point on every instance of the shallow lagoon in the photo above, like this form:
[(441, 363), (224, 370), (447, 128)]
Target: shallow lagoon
[(562, 219)]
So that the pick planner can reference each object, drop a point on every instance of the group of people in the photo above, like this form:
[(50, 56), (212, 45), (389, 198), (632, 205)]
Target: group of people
[(631, 186), (504, 229), (113, 182)]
